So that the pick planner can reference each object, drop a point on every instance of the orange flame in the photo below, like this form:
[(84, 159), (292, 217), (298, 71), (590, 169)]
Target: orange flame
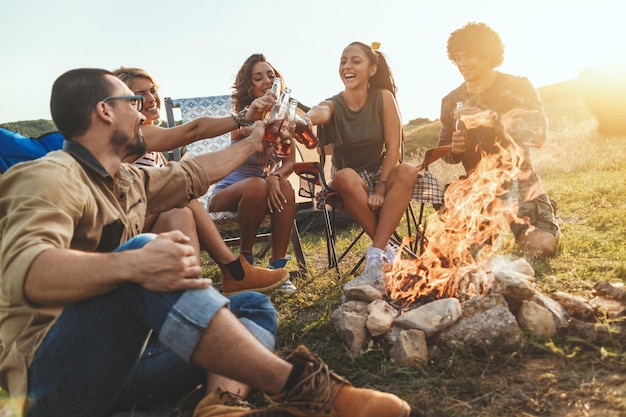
[(460, 238)]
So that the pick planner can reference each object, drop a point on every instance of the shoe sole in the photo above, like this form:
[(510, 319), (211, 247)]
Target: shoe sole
[(264, 289)]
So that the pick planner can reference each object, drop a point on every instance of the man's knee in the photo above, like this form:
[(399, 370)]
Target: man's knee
[(539, 243)]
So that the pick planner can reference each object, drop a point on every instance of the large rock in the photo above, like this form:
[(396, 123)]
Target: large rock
[(486, 325), (380, 317), (351, 330), (537, 320), (432, 317), (410, 348)]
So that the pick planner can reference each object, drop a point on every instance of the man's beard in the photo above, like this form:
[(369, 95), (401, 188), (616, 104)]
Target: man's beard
[(131, 146)]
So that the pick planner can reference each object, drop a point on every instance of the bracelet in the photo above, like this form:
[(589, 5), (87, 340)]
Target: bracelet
[(383, 183), (240, 118)]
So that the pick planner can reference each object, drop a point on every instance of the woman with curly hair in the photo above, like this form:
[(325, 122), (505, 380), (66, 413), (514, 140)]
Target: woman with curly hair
[(259, 186)]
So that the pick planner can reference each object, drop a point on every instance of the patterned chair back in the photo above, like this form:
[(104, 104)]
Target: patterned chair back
[(193, 108)]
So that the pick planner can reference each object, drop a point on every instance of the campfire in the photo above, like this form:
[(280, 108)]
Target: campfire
[(460, 292), (461, 237)]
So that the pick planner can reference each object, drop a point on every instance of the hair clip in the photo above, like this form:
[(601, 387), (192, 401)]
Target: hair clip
[(375, 46)]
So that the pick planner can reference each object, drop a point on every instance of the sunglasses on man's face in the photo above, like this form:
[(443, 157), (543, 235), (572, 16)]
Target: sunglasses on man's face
[(135, 101)]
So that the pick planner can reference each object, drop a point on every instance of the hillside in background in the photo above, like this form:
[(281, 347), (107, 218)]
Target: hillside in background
[(31, 128), (561, 100)]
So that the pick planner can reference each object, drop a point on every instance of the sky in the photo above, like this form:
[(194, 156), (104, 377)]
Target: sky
[(195, 47)]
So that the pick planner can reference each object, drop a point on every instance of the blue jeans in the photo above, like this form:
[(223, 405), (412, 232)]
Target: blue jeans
[(132, 347)]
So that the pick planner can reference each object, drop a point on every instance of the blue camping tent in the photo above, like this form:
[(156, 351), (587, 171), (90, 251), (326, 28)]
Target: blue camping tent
[(16, 148)]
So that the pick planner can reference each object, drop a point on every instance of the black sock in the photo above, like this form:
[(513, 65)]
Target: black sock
[(236, 269), (294, 376)]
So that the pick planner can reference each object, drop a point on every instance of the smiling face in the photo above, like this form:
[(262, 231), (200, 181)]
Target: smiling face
[(471, 66), (128, 136), (262, 78), (355, 68), (151, 100)]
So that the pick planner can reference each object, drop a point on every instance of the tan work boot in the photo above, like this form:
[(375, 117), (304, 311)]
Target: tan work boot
[(321, 392), (255, 279), (225, 404)]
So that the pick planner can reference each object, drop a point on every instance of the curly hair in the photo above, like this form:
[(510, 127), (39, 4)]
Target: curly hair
[(242, 96), (477, 38)]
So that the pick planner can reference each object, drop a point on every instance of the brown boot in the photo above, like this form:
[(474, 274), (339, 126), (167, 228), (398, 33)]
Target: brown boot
[(255, 279), (224, 404), (321, 392)]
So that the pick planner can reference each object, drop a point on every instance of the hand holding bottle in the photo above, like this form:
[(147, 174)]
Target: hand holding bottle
[(304, 133), (274, 123)]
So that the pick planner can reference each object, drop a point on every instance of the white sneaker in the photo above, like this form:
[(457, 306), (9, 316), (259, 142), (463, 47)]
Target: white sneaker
[(287, 287), (374, 259), (390, 251)]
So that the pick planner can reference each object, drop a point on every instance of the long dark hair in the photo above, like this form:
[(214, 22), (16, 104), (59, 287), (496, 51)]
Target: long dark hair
[(242, 96), (383, 77)]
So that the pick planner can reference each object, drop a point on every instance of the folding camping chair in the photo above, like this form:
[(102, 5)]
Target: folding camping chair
[(226, 222), (313, 179)]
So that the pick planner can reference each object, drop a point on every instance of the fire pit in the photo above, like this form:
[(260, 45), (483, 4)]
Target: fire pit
[(461, 292)]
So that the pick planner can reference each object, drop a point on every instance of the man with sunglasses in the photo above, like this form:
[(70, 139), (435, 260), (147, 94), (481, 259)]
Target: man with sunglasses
[(82, 290)]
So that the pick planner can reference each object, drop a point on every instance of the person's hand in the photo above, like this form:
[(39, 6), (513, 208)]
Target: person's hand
[(304, 119), (255, 132), (275, 196), (169, 263), (459, 142), (375, 200), (261, 105)]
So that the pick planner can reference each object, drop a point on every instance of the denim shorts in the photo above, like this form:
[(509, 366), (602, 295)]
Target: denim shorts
[(236, 176), (130, 348)]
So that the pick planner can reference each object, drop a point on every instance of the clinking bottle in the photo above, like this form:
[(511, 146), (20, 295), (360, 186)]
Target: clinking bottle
[(304, 134), (459, 126), (276, 90), (277, 115)]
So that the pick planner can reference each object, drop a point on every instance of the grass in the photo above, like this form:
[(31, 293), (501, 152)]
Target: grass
[(585, 173)]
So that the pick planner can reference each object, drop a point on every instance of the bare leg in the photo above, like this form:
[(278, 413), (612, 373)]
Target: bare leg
[(230, 385), (208, 235), (227, 348), (249, 198), (397, 197), (282, 222), (178, 219), (352, 190), (398, 194)]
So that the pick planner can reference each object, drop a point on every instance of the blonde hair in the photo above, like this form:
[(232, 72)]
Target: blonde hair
[(128, 74)]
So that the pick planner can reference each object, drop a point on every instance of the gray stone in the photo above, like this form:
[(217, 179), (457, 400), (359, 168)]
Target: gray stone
[(432, 317), (410, 348)]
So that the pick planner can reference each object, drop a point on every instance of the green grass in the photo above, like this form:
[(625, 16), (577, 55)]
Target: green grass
[(586, 174)]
